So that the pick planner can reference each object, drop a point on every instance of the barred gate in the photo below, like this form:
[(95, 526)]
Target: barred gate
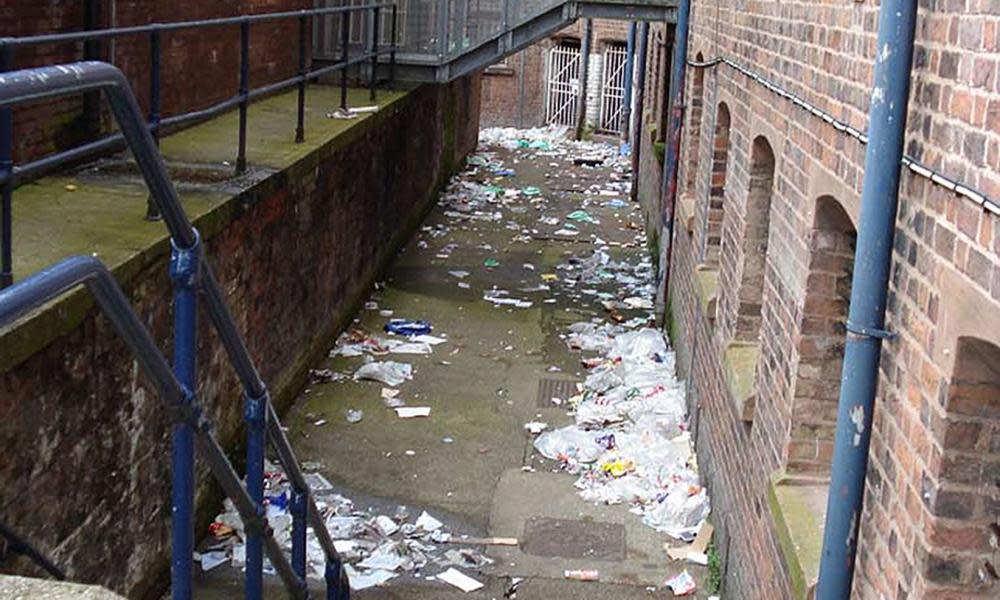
[(613, 88), (562, 89)]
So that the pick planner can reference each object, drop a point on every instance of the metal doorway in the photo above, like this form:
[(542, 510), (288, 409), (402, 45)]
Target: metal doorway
[(613, 88), (562, 88)]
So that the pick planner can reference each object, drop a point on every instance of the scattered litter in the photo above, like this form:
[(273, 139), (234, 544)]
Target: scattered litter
[(491, 263), (351, 113), (536, 427), (581, 216), (582, 574), (459, 274), (460, 580), (428, 523), (389, 372), (352, 415), (695, 551), (385, 525), (681, 584), (362, 580), (407, 327), (210, 560), (408, 412)]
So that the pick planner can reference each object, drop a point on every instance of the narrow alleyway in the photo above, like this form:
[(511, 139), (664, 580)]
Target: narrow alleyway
[(525, 243)]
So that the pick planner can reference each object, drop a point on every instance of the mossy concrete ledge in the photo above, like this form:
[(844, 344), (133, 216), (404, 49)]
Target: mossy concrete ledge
[(798, 506), (296, 244)]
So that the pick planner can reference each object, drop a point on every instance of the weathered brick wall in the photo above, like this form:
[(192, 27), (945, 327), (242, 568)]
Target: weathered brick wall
[(513, 93), (84, 438), (929, 527), (199, 67)]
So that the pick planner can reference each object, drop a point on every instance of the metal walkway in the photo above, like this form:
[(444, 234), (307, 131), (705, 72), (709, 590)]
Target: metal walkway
[(465, 35)]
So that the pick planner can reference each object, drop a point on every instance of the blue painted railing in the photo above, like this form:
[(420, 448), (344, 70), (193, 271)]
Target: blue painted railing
[(192, 277)]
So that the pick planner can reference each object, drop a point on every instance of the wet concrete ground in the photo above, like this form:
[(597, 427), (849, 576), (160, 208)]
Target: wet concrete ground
[(471, 463)]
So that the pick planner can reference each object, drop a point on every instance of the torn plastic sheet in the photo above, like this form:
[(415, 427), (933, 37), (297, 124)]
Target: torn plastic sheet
[(388, 372)]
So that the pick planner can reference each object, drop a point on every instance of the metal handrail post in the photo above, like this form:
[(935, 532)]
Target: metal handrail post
[(298, 507), (241, 156), (255, 413), (374, 73), (7, 187), (300, 127), (392, 48), (152, 213), (344, 35), (444, 16), (184, 272)]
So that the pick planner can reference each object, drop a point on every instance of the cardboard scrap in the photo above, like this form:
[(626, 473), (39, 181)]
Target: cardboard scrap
[(695, 551), (460, 580)]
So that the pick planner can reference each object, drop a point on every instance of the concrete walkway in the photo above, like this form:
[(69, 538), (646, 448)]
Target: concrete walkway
[(471, 463)]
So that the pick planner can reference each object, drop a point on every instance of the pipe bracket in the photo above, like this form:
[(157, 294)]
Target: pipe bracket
[(871, 332)]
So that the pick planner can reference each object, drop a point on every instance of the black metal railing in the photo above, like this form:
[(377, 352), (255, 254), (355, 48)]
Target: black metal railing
[(11, 175)]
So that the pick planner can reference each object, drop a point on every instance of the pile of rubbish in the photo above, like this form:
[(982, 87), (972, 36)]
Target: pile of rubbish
[(375, 547), (629, 443)]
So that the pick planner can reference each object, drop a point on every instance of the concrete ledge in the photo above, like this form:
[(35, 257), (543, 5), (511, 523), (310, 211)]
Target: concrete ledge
[(740, 364), (707, 289), (798, 506), (685, 212)]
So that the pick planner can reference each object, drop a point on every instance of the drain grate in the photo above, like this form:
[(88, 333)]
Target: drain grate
[(574, 539), (549, 388)]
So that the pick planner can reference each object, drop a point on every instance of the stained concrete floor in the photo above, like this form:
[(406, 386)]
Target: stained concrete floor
[(482, 386)]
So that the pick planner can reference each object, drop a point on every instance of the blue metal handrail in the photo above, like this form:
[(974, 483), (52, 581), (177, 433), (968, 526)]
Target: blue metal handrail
[(11, 175), (191, 276)]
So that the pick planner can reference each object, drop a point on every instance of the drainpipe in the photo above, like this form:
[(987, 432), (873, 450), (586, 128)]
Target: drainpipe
[(581, 118), (668, 188), (869, 288), (637, 117), (627, 99)]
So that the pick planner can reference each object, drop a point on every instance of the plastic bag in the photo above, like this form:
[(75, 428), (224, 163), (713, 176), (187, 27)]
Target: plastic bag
[(570, 444), (389, 372)]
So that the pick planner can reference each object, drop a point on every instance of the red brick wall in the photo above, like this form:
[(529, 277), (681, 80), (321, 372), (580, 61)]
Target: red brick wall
[(929, 527), (198, 69), (504, 104)]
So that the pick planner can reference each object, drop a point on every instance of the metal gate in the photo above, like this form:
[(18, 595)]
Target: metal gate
[(562, 90), (613, 88)]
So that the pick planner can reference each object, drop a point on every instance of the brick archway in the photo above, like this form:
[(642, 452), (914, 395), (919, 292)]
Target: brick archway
[(717, 190), (821, 333), (755, 240)]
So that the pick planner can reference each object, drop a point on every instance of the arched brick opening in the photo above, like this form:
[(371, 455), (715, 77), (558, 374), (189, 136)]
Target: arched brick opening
[(822, 331), (758, 223), (964, 553), (695, 110), (717, 191)]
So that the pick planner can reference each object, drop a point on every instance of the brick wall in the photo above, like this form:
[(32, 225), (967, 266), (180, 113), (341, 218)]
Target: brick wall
[(198, 69), (929, 527), (514, 92), (82, 433)]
